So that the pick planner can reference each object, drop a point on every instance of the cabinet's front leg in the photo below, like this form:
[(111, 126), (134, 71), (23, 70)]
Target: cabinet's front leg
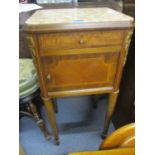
[(51, 115), (110, 110)]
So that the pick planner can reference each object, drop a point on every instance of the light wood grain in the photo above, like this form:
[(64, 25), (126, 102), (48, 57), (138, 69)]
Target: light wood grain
[(76, 40), (79, 92), (110, 109), (122, 137), (60, 52), (120, 151), (80, 71)]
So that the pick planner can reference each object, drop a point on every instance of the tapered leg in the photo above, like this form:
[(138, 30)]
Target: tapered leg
[(55, 105), (95, 99), (51, 115), (32, 108), (110, 110)]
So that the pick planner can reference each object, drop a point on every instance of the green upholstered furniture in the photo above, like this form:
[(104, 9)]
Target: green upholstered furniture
[(28, 91), (28, 81)]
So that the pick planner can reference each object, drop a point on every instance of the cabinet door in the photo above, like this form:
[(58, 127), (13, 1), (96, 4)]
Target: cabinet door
[(78, 71)]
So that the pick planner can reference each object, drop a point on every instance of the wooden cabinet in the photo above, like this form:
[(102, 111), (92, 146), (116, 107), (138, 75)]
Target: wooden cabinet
[(79, 52)]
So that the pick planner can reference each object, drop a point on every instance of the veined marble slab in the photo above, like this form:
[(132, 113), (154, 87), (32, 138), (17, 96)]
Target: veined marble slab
[(82, 16)]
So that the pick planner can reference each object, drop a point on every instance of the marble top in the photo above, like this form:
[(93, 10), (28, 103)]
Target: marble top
[(76, 16)]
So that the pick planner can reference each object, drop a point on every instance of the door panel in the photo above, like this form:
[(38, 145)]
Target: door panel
[(80, 71)]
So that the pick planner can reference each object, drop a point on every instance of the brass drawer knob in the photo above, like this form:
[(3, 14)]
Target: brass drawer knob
[(81, 41), (48, 76)]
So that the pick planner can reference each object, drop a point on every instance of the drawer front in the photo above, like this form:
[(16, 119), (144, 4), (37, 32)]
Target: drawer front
[(76, 40), (72, 72)]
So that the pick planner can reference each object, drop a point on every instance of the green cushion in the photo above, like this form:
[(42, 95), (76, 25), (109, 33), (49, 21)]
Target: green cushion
[(28, 81)]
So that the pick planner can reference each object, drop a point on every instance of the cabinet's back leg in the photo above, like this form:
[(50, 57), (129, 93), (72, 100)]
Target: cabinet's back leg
[(55, 105), (95, 99)]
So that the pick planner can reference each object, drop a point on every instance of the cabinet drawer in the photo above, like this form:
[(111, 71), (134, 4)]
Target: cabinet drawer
[(76, 40), (80, 71)]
